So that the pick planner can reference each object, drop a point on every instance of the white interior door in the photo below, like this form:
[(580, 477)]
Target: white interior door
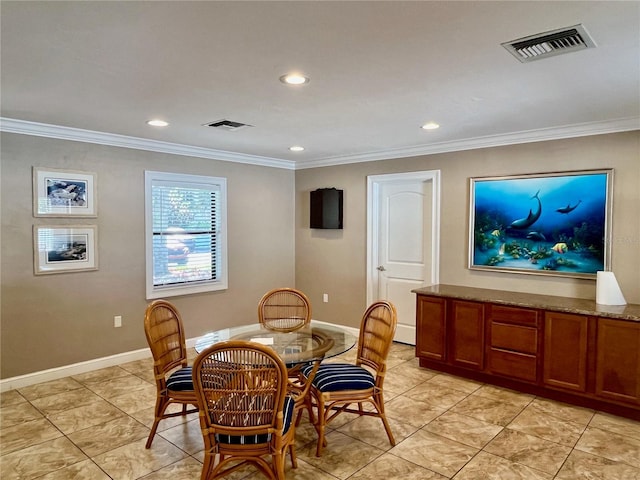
[(403, 217)]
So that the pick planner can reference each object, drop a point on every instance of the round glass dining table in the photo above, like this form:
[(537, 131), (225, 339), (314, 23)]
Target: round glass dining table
[(311, 343)]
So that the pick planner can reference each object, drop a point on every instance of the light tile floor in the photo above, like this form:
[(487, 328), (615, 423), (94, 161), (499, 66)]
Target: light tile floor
[(94, 426)]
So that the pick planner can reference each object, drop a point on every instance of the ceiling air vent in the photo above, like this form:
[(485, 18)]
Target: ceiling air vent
[(548, 44), (227, 125)]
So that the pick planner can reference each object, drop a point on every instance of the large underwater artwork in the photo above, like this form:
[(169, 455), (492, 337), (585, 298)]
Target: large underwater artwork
[(548, 224)]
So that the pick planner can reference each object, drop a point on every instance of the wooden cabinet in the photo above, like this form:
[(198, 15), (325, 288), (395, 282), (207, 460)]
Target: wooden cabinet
[(467, 334), (519, 342), (618, 360), (565, 351), (431, 314), (450, 331)]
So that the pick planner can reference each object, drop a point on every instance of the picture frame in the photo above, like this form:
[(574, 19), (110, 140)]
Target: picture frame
[(65, 249), (64, 193), (544, 224)]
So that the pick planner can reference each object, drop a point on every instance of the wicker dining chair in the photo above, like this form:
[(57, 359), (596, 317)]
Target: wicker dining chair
[(245, 413), (284, 309), (336, 386), (165, 335)]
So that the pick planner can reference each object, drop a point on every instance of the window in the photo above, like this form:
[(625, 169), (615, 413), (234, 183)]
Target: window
[(185, 234)]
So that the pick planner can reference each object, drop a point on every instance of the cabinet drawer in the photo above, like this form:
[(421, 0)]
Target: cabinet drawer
[(512, 364), (518, 316), (514, 337)]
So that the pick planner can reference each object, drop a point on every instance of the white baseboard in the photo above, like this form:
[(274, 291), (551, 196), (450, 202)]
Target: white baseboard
[(20, 381)]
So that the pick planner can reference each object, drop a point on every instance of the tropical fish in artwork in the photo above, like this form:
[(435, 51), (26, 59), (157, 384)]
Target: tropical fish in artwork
[(568, 208), (496, 233), (536, 236), (530, 219), (560, 247), (502, 249)]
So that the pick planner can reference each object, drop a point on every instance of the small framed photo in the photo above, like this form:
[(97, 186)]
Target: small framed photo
[(64, 193), (65, 249)]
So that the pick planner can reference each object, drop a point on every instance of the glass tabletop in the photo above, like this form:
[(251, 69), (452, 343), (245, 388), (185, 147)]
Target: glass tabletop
[(310, 343)]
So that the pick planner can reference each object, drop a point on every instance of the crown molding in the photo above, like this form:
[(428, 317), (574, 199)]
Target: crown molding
[(24, 127), (528, 136), (101, 138)]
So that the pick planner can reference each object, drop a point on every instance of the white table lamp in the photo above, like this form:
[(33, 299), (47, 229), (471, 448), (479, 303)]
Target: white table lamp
[(607, 290)]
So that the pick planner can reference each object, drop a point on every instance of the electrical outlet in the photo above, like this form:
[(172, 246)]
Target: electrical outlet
[(325, 297), (117, 321)]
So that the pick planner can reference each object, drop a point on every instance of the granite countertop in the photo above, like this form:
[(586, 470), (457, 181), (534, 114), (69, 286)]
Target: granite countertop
[(531, 300)]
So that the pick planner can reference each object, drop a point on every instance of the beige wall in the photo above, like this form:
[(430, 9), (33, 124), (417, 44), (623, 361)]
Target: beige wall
[(55, 320), (334, 261)]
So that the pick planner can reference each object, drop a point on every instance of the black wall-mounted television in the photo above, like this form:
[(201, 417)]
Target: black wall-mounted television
[(326, 208)]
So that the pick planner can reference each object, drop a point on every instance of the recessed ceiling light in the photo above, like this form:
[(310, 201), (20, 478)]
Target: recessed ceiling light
[(294, 79), (296, 148), (157, 123), (430, 126)]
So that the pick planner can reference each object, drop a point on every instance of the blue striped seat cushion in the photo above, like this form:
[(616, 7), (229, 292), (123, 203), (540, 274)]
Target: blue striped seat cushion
[(334, 377), (289, 403), (180, 380)]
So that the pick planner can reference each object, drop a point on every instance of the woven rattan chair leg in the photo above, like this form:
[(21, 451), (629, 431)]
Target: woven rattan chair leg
[(209, 462), (279, 460), (161, 406), (152, 433), (292, 453), (298, 417), (320, 428), (392, 440)]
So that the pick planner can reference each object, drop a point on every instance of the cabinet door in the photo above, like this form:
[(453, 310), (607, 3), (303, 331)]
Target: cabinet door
[(430, 322), (467, 334), (618, 360), (565, 351)]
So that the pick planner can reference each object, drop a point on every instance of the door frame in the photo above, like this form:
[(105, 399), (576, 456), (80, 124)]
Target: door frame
[(374, 183)]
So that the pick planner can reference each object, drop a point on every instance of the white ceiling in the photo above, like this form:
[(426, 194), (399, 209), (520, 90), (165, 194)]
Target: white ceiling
[(378, 70)]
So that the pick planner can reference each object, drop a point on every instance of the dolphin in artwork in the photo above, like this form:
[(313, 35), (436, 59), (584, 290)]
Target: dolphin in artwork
[(536, 236), (530, 219), (568, 208)]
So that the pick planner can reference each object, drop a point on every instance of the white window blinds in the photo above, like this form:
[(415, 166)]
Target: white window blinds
[(185, 225)]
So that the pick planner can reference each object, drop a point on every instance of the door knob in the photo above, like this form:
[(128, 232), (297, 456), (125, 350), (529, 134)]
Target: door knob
[(381, 268)]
